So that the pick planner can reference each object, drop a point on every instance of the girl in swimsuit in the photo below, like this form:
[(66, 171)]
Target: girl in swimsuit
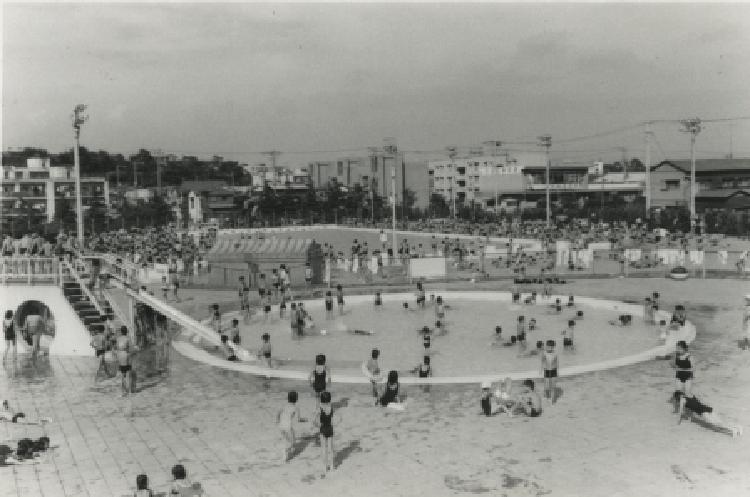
[(320, 377), (684, 366), (9, 332), (325, 422), (265, 350)]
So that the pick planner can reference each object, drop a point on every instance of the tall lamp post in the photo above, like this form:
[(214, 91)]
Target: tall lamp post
[(78, 120), (692, 126), (546, 142)]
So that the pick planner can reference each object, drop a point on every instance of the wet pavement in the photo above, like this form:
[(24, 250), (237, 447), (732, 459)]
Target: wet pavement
[(610, 433)]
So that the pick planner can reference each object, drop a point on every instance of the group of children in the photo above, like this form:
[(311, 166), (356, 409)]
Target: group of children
[(503, 400)]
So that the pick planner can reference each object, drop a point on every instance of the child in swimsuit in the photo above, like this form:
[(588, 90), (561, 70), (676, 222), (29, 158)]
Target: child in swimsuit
[(424, 370), (439, 308), (325, 422), (216, 318), (227, 349), (164, 289), (549, 369), (329, 305), (692, 408), (420, 295), (498, 337), (532, 324), (340, 298), (265, 350), (235, 331), (378, 301), (440, 329), (391, 392), (320, 377), (282, 306), (374, 369), (266, 303), (571, 301), (521, 332), (568, 335), (285, 419), (684, 366)]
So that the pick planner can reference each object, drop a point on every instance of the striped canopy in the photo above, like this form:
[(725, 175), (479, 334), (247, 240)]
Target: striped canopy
[(238, 250)]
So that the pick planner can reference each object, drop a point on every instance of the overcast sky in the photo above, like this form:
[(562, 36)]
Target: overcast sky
[(232, 79)]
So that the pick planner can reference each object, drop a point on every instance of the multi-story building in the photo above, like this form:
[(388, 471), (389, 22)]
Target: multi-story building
[(39, 191), (488, 180), (721, 183)]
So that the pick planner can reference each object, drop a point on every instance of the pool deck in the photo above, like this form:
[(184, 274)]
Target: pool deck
[(611, 432)]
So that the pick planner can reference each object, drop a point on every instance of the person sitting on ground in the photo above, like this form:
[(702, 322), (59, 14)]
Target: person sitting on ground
[(182, 486), (695, 410), (141, 487), (7, 414), (227, 349), (528, 401), (391, 391)]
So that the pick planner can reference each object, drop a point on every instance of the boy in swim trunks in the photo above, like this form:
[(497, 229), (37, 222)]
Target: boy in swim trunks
[(227, 350), (235, 331), (265, 349), (549, 370), (568, 335)]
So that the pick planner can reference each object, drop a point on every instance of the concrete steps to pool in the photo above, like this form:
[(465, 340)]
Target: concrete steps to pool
[(84, 308)]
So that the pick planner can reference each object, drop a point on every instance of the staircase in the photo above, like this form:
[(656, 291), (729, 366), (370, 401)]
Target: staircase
[(88, 311)]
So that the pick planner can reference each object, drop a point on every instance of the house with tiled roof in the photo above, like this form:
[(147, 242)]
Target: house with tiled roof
[(720, 183)]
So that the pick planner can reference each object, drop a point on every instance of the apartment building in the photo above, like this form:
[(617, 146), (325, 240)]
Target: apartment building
[(39, 191)]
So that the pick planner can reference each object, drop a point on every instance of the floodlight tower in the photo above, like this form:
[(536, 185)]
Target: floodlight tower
[(546, 142), (78, 119), (692, 126)]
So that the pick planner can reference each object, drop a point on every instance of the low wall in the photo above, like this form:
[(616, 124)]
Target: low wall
[(687, 333)]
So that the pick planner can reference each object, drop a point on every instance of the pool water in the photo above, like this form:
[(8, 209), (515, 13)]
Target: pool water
[(468, 348)]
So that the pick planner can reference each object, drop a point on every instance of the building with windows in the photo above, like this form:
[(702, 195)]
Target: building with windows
[(721, 183), (38, 192), (497, 180)]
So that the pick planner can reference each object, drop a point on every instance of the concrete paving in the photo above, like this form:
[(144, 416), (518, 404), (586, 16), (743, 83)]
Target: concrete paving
[(611, 433)]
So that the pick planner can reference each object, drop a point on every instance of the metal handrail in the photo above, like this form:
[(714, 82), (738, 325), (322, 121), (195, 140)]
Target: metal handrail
[(30, 276)]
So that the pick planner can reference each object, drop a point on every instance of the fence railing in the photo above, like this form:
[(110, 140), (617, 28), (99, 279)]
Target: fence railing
[(29, 270)]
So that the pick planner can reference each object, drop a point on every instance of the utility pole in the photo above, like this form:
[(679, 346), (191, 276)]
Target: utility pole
[(546, 142), (648, 169), (692, 126), (392, 150), (78, 120)]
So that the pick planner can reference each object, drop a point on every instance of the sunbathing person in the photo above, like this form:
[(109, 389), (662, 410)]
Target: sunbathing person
[(695, 410)]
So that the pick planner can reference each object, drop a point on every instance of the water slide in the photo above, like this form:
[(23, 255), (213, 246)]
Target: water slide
[(71, 336)]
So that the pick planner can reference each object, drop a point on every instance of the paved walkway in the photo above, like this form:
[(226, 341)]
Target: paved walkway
[(612, 433)]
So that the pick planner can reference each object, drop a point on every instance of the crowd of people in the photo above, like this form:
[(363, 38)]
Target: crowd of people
[(168, 246)]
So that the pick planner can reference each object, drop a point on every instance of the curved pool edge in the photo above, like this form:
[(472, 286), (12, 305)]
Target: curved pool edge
[(687, 332)]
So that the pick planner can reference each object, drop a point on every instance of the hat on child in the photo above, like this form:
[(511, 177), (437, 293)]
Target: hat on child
[(486, 384)]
